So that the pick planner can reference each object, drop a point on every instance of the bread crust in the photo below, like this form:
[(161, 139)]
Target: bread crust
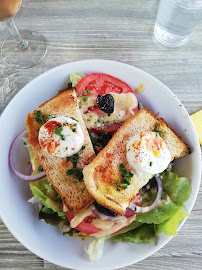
[(103, 173), (74, 193)]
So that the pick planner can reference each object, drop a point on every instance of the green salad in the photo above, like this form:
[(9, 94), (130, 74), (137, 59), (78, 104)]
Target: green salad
[(145, 228)]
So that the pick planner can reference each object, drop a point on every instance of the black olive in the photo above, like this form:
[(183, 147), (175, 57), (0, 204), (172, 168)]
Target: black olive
[(104, 210), (106, 103)]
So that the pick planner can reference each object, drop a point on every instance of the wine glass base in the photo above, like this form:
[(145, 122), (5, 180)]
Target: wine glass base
[(17, 57)]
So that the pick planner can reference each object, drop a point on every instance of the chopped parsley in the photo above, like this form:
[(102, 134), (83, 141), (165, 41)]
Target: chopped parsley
[(77, 172), (74, 159), (150, 164), (116, 121), (108, 123), (126, 177), (117, 187), (158, 132), (71, 126), (74, 119), (39, 117), (89, 91), (58, 131), (62, 137), (40, 168), (50, 117), (85, 99), (101, 123)]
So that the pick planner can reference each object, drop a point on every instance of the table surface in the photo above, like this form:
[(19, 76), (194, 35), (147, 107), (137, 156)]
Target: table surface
[(120, 30)]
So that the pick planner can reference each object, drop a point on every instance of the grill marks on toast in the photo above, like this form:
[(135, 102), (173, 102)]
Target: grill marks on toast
[(103, 173), (73, 193)]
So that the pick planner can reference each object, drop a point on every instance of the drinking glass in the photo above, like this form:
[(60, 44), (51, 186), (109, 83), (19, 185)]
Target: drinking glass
[(22, 49), (176, 20)]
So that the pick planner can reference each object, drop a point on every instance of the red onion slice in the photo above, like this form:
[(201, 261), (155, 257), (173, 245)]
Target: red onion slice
[(139, 209), (11, 162)]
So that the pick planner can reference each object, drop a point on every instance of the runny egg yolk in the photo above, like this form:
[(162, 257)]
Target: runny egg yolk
[(61, 137), (147, 153)]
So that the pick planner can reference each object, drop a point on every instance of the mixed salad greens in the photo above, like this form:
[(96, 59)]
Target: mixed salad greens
[(165, 218)]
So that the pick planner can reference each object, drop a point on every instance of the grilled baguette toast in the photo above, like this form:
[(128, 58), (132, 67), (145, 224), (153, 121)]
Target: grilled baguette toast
[(103, 174), (74, 193)]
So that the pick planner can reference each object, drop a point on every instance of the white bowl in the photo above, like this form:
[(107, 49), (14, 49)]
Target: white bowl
[(20, 217)]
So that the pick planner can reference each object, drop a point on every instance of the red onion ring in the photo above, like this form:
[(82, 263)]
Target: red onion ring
[(11, 162), (138, 209), (30, 171)]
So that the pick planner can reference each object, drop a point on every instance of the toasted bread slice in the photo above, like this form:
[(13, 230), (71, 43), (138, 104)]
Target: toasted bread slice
[(74, 193), (103, 173)]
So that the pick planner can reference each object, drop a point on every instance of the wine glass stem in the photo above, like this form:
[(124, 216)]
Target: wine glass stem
[(23, 44)]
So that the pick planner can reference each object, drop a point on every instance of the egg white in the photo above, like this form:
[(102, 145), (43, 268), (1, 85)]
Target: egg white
[(73, 137), (147, 153)]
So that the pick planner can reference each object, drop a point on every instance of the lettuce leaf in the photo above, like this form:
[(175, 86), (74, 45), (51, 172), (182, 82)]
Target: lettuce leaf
[(95, 249), (159, 214), (52, 219), (132, 226), (144, 233), (75, 78), (169, 227), (177, 188), (45, 192)]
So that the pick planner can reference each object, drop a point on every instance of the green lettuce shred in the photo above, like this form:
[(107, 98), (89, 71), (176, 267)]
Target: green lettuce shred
[(75, 78), (95, 249), (169, 227)]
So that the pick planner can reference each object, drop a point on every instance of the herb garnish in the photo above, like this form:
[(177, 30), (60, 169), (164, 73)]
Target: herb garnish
[(85, 99), (39, 117), (58, 131), (126, 177), (74, 119), (40, 168), (50, 117), (77, 172), (158, 132), (89, 91), (150, 164)]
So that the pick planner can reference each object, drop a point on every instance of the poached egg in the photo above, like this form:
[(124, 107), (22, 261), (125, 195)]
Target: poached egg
[(147, 153), (61, 137)]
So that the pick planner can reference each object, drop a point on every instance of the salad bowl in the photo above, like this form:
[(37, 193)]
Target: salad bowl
[(21, 218)]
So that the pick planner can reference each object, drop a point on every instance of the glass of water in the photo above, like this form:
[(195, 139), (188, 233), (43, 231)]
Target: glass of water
[(176, 20)]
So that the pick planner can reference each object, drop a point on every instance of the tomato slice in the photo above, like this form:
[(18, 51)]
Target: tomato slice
[(95, 84), (88, 228), (86, 225), (101, 84)]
